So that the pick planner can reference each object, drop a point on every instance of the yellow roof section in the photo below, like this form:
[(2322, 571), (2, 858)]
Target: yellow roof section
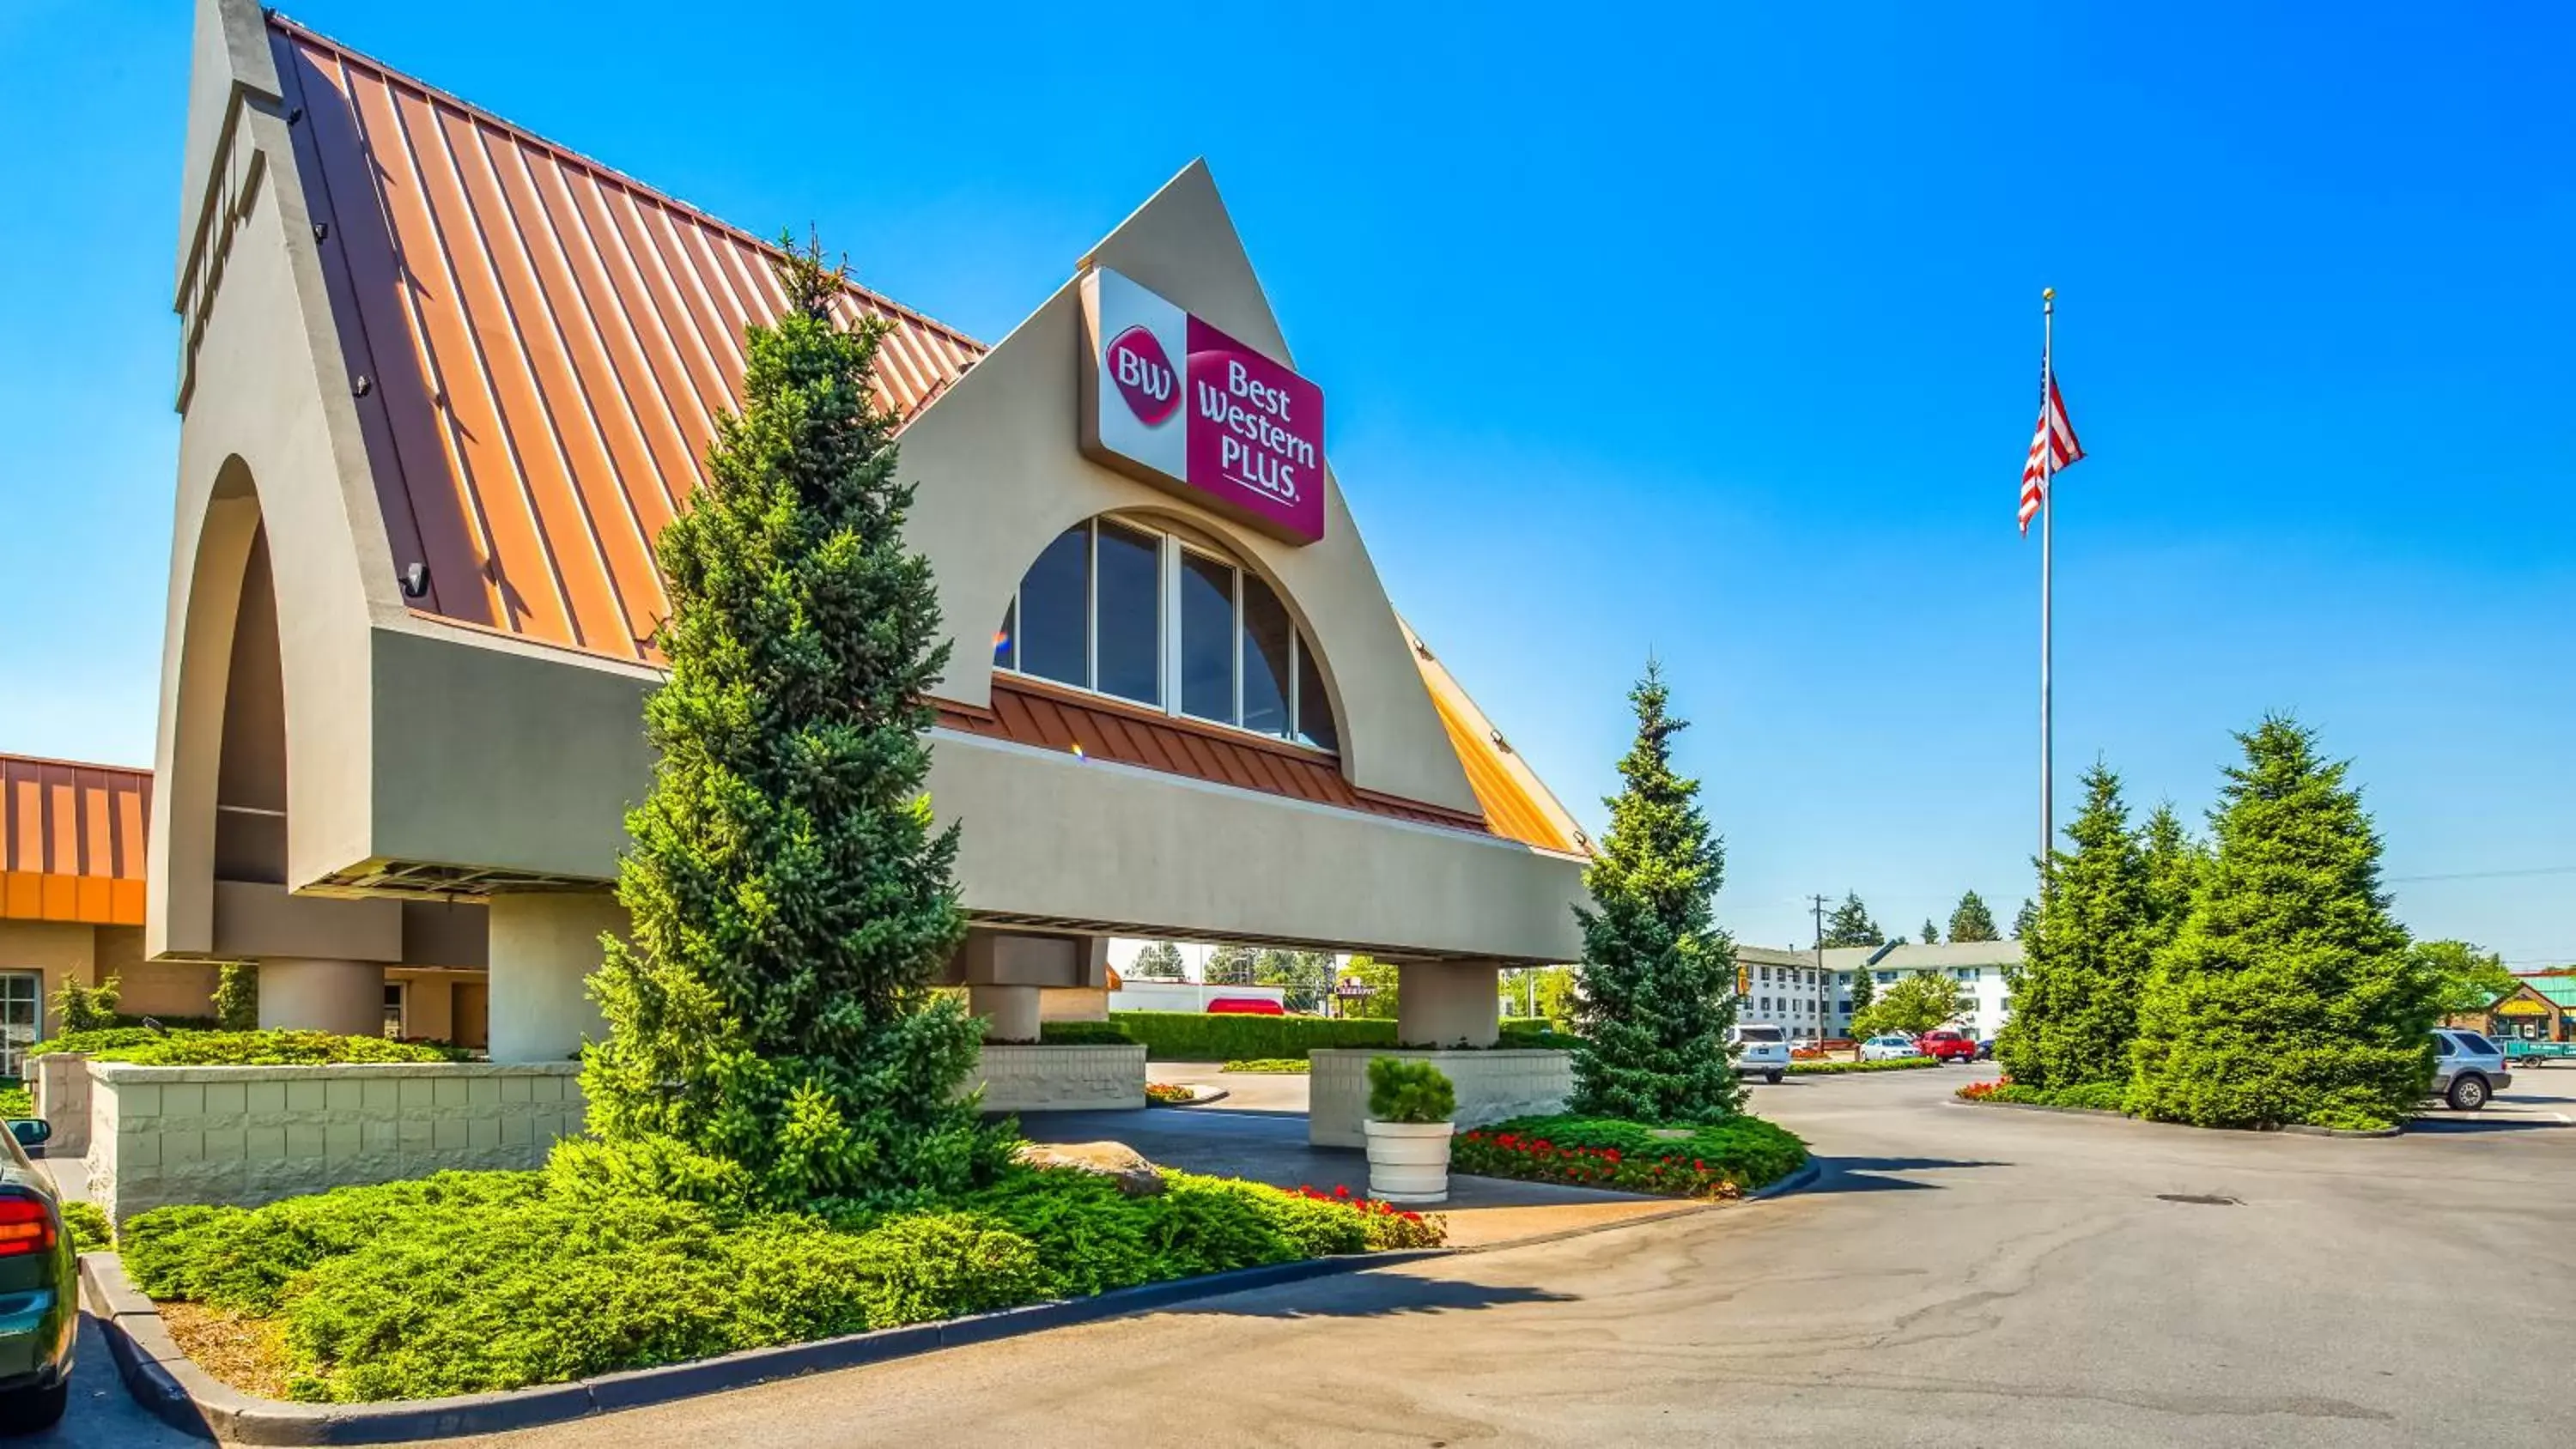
[(1518, 805)]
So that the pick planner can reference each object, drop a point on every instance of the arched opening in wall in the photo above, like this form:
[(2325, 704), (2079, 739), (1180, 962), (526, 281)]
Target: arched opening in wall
[(250, 775), (1121, 607)]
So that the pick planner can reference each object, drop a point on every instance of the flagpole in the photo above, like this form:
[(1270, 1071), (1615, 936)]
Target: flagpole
[(2047, 514)]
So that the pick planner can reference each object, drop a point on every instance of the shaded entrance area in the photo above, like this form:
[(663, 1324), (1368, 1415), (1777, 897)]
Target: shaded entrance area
[(1259, 1133)]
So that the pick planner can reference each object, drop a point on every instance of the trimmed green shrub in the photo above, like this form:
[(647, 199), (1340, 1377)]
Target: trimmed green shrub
[(237, 996), (1193, 1036), (1083, 1033), (91, 1232), (1722, 1159), (144, 1047), (96, 1040), (1837, 1069), (1538, 1036), (472, 1281), (79, 1008), (1409, 1089), (2090, 1096), (16, 1100), (1284, 1066)]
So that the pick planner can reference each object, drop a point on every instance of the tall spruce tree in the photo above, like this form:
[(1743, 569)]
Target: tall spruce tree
[(2174, 863), (1931, 932), (1864, 994), (1850, 924), (772, 1025), (2075, 1000), (2289, 994), (2026, 919), (1971, 921), (1657, 982)]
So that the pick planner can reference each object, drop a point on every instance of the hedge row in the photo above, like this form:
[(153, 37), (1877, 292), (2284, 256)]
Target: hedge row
[(144, 1046), (1835, 1069), (1193, 1036)]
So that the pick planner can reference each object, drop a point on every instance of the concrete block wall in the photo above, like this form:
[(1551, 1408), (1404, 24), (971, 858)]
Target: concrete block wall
[(249, 1135), (61, 1083), (1491, 1085), (1060, 1078)]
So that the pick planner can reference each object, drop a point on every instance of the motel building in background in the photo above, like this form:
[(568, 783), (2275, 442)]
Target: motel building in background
[(442, 382)]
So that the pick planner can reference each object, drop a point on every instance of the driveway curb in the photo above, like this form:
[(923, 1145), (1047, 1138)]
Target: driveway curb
[(168, 1384), (2294, 1129)]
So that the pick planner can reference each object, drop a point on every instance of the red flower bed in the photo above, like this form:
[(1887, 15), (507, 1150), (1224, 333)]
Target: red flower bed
[(1511, 1154), (1980, 1091), (1389, 1226)]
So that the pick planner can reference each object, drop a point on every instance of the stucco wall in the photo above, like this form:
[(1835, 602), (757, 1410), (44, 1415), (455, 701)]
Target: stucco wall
[(62, 950), (1491, 1086), (246, 1135), (1060, 1078)]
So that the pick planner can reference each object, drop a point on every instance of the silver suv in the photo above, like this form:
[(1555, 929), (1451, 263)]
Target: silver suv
[(2467, 1068)]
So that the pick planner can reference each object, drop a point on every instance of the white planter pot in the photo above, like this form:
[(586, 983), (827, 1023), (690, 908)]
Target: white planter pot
[(1409, 1161)]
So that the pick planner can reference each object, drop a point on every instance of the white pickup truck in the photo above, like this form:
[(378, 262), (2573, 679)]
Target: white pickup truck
[(1761, 1050)]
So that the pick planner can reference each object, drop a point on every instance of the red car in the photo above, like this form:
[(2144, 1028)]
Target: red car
[(1948, 1046), (1245, 1006)]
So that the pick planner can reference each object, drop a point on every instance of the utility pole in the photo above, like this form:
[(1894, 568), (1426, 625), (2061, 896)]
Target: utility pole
[(1824, 984)]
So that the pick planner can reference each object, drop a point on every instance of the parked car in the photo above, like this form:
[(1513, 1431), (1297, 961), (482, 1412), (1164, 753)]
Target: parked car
[(1888, 1049), (1245, 1006), (39, 1290), (2467, 1068), (1761, 1050), (1946, 1046), (1986, 1050)]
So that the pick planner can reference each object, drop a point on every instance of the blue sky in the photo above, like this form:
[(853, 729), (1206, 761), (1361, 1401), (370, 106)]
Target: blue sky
[(1712, 336)]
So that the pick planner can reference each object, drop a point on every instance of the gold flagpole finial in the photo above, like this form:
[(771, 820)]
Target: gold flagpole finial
[(2048, 294)]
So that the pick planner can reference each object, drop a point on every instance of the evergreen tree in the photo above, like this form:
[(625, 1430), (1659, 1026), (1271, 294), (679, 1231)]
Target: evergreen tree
[(773, 1029), (1971, 921), (1302, 976), (2025, 920), (2174, 864), (1850, 925), (2289, 994), (2075, 999), (1159, 961), (1931, 932), (1656, 988), (1228, 966), (1864, 992)]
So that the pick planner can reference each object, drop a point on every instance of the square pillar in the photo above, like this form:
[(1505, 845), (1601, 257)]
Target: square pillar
[(299, 993), (1448, 1003), (544, 947)]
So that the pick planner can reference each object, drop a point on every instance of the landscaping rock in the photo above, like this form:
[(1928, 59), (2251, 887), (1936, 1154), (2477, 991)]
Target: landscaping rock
[(1120, 1163)]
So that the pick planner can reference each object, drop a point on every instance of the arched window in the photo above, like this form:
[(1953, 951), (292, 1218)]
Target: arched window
[(1146, 616)]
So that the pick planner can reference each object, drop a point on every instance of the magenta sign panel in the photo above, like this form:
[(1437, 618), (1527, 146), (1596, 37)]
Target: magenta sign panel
[(1228, 424), (1256, 433)]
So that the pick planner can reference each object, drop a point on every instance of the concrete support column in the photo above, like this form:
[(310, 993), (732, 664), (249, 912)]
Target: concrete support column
[(1448, 1003), (1014, 1011), (544, 947), (301, 993)]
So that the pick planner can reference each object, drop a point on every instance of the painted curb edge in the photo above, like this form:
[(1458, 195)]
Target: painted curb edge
[(173, 1389)]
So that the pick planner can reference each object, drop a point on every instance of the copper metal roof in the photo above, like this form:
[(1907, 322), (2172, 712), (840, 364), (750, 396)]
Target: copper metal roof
[(546, 345), (1031, 712), (540, 347), (71, 841)]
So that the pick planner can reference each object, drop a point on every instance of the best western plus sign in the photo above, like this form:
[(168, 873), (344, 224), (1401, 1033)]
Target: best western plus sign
[(1229, 426)]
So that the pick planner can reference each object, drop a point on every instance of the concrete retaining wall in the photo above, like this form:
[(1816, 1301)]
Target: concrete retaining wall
[(249, 1135), (61, 1083), (1060, 1078), (1491, 1085)]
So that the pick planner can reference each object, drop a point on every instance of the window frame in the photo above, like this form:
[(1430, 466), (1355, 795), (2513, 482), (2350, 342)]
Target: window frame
[(1171, 551)]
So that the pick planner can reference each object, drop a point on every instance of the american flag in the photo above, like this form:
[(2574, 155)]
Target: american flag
[(2052, 449)]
